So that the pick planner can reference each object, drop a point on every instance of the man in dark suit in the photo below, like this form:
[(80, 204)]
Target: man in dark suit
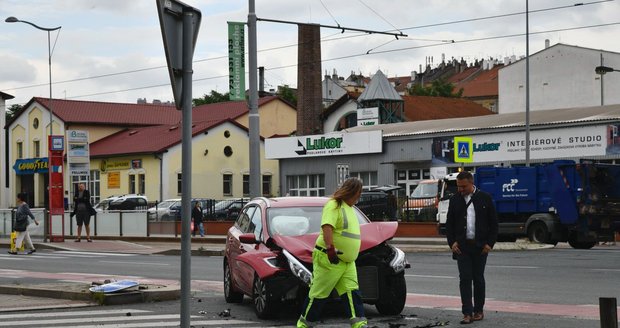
[(471, 229)]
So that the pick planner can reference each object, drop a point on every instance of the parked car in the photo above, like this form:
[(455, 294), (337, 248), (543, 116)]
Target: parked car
[(130, 202), (268, 256), (423, 201), (225, 209), (374, 204), (164, 210), (206, 204)]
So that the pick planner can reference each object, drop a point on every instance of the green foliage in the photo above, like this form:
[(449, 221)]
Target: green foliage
[(11, 111), (439, 88), (214, 97), (288, 94)]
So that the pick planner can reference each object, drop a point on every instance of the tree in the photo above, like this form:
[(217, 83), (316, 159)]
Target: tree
[(214, 97), (439, 88), (288, 94), (11, 111)]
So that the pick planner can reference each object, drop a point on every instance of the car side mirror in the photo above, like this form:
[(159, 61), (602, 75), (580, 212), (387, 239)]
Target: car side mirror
[(248, 238)]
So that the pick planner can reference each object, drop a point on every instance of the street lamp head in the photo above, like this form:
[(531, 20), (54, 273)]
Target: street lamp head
[(11, 20), (603, 69)]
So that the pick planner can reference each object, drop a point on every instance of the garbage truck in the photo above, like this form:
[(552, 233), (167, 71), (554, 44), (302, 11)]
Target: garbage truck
[(549, 203)]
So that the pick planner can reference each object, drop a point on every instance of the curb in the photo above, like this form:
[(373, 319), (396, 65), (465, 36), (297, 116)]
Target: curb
[(80, 292)]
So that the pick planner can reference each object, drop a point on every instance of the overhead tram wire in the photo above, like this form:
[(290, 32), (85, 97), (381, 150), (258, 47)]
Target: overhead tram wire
[(330, 14), (378, 15), (326, 40), (350, 56)]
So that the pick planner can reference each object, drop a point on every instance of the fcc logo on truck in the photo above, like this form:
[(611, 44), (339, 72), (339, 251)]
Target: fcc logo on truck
[(510, 186)]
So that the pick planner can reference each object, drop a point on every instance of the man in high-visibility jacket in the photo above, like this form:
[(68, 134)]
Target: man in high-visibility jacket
[(334, 256)]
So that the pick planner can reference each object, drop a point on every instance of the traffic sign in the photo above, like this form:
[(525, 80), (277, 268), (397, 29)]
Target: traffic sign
[(171, 14)]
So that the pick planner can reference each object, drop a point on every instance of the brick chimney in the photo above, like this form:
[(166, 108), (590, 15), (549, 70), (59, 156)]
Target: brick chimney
[(309, 96)]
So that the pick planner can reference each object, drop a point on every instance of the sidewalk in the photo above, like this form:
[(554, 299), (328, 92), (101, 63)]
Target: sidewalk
[(13, 298)]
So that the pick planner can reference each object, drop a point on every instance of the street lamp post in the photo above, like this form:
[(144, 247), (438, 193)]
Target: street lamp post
[(49, 105), (602, 70), (49, 55)]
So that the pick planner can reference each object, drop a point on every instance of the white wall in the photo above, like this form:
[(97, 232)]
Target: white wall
[(332, 121), (561, 76)]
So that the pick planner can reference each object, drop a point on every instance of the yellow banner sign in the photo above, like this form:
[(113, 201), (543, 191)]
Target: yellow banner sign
[(106, 165), (114, 180)]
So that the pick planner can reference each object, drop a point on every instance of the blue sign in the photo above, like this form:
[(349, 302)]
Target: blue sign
[(31, 166)]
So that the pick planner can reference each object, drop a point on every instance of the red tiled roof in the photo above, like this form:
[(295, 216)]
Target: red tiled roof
[(148, 140), (77, 111), (468, 72), (421, 108), (484, 84)]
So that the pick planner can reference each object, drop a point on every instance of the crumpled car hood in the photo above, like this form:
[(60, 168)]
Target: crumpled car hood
[(301, 247)]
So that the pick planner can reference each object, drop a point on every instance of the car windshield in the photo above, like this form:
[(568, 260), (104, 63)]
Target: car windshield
[(425, 190), (102, 204), (297, 221)]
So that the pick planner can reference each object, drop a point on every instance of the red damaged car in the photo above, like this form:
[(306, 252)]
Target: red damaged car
[(269, 256)]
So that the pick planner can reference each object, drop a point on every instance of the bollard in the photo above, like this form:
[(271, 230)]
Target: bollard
[(608, 310)]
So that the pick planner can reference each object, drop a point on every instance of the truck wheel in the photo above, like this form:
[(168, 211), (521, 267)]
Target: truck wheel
[(581, 244), (392, 300), (538, 232)]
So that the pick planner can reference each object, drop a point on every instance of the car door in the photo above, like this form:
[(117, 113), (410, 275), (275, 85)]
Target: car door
[(242, 274)]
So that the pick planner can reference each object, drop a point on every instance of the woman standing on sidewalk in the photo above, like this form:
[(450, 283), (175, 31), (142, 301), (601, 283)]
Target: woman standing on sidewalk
[(21, 225)]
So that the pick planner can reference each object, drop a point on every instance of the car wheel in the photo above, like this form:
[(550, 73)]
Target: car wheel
[(392, 298), (576, 244), (230, 294), (264, 306)]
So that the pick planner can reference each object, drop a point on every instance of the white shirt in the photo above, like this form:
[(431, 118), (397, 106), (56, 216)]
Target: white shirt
[(471, 217)]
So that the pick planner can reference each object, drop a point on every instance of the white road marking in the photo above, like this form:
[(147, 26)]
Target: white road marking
[(70, 314), (429, 276), (513, 266), (611, 270), (171, 324), (135, 263), (93, 253), (46, 322)]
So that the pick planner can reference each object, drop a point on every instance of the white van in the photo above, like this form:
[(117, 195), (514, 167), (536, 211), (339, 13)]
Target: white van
[(164, 210)]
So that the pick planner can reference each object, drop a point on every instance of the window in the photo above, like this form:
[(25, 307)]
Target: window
[(37, 149), (94, 187), (246, 185), (243, 220), (132, 183), (20, 150), (267, 185), (369, 179), (306, 185), (257, 223), (141, 184), (179, 183), (227, 184)]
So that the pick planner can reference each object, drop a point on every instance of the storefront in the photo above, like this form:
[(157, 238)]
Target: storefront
[(32, 179), (414, 151)]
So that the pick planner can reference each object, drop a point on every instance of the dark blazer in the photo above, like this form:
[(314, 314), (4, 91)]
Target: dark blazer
[(486, 219), (84, 199)]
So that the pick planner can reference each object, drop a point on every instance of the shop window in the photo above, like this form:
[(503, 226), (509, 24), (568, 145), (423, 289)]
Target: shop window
[(369, 179), (246, 185), (179, 183), (227, 184), (20, 150), (267, 185), (141, 184), (132, 183), (306, 185), (37, 149)]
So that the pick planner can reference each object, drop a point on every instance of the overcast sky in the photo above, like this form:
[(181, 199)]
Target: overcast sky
[(112, 50)]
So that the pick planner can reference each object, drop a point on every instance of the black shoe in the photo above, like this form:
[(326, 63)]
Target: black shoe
[(89, 240), (12, 253), (77, 240), (31, 251)]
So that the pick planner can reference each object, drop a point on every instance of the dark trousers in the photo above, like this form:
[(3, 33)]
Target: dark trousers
[(471, 264)]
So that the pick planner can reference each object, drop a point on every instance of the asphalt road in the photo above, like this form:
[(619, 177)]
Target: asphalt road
[(547, 288)]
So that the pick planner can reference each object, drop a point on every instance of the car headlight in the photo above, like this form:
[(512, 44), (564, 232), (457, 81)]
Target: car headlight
[(298, 269), (398, 263)]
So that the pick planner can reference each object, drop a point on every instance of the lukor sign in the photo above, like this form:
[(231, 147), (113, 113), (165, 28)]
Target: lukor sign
[(324, 145)]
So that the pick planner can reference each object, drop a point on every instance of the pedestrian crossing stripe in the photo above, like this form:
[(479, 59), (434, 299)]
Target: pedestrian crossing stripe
[(463, 150), (118, 318)]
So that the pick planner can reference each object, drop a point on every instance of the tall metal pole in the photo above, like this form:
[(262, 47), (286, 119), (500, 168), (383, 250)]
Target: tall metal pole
[(255, 172), (186, 168), (527, 84), (602, 85)]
